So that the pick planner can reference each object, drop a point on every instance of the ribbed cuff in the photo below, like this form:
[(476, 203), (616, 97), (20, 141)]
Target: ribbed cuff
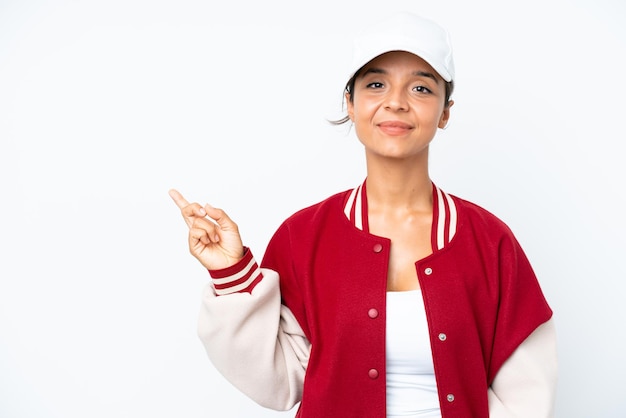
[(240, 277)]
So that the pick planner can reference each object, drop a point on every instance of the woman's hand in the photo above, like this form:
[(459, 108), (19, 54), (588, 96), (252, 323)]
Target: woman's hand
[(213, 237)]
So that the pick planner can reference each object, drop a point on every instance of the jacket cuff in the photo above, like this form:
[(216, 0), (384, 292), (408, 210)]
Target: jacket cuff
[(238, 278)]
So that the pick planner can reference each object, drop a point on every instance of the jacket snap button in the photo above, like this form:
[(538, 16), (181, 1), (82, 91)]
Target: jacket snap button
[(428, 271), (373, 374), (373, 313), (378, 248), (450, 397), (442, 336)]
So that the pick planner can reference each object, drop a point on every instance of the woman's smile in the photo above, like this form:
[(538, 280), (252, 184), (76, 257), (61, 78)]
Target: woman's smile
[(395, 128)]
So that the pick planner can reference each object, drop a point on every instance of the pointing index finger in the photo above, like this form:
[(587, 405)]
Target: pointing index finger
[(178, 198)]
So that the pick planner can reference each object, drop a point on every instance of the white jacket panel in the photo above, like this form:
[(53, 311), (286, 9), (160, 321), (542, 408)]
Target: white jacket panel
[(256, 343), (525, 386)]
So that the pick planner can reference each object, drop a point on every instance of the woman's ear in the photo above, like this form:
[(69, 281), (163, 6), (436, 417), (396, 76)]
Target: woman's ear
[(445, 115), (349, 105)]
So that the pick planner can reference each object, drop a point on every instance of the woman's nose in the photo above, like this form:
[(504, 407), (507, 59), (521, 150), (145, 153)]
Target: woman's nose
[(396, 100)]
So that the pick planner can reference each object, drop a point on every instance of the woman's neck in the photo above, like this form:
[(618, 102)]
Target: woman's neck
[(398, 186)]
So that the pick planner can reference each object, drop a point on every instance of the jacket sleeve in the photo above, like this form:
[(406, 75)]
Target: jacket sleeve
[(525, 385), (252, 339)]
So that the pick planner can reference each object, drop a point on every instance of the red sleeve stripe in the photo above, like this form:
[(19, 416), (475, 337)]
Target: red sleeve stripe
[(240, 281)]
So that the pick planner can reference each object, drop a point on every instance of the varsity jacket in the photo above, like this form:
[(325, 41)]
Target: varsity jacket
[(308, 325)]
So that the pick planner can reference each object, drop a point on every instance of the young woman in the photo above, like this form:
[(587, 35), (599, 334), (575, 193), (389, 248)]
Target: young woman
[(393, 299)]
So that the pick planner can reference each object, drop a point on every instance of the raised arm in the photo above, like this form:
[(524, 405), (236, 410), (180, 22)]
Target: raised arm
[(249, 336)]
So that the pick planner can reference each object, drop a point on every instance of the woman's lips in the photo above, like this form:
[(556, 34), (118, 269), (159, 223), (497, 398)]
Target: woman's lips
[(394, 127)]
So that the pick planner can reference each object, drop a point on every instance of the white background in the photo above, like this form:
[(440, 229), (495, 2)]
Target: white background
[(105, 105)]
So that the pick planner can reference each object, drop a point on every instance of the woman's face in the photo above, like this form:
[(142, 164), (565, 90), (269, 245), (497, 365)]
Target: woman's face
[(398, 102)]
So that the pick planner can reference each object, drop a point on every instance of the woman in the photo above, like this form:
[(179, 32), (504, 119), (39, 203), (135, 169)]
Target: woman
[(391, 299)]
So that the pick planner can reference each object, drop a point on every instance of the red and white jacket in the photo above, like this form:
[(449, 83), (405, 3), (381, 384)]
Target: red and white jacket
[(308, 325)]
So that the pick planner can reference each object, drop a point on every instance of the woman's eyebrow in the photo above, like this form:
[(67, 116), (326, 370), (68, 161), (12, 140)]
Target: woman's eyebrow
[(374, 70), (419, 73), (426, 74)]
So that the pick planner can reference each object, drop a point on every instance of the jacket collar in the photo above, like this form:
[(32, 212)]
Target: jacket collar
[(445, 216)]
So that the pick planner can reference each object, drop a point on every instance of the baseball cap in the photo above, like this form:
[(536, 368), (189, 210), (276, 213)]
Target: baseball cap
[(408, 32)]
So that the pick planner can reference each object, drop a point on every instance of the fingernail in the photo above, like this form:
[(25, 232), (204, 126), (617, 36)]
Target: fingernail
[(202, 212)]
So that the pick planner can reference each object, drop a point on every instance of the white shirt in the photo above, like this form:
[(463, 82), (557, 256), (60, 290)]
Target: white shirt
[(411, 384)]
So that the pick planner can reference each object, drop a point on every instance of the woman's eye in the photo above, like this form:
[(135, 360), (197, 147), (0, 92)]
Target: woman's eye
[(422, 89), (375, 85)]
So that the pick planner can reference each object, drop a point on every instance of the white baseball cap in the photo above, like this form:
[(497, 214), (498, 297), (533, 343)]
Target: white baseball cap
[(405, 32)]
